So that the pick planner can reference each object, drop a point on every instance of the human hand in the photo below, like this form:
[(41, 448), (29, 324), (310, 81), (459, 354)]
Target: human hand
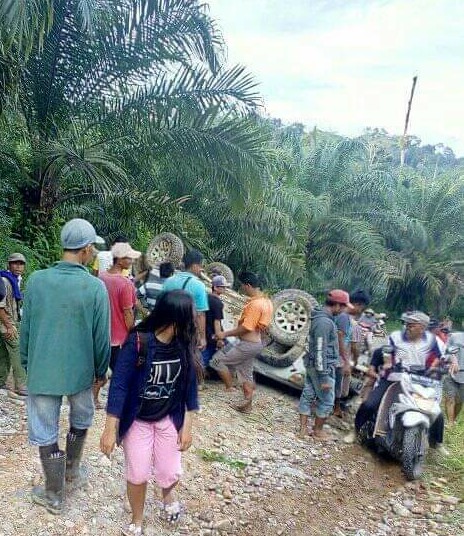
[(100, 382), (184, 439), (108, 441), (220, 336), (454, 366), (11, 333), (201, 344), (326, 386), (220, 344)]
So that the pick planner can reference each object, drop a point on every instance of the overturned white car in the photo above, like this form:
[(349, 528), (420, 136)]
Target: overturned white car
[(282, 357)]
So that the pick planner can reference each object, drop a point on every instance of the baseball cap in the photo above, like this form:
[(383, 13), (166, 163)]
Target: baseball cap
[(339, 296), (17, 257), (219, 281), (123, 249), (77, 233), (415, 317)]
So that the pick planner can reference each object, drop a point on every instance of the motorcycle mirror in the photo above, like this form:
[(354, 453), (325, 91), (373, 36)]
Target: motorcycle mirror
[(387, 349), (452, 349)]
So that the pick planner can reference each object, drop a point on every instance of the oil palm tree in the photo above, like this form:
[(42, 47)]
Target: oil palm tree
[(108, 81)]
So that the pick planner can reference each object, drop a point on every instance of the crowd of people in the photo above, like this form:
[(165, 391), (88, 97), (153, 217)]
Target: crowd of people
[(333, 349), (159, 332)]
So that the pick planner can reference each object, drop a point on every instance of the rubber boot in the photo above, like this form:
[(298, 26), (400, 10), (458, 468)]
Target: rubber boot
[(76, 475), (51, 496)]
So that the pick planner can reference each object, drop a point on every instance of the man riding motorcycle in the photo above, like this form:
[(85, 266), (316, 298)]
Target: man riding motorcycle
[(413, 346)]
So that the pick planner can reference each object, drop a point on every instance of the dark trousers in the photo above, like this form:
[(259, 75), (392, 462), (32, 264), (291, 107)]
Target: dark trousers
[(114, 355), (368, 411)]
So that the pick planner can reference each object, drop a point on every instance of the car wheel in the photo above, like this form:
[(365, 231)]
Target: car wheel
[(165, 247), (292, 315), (218, 268), (279, 355)]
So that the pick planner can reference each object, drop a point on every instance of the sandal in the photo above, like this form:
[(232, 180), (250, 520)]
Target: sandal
[(172, 511), (132, 530)]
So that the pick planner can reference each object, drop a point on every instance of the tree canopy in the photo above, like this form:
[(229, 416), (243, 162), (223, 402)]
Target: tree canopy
[(125, 113)]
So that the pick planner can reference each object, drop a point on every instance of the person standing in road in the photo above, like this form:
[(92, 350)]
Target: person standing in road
[(255, 318), (214, 317), (453, 382), (121, 292), (151, 402), (9, 325), (189, 281), (65, 348), (321, 359)]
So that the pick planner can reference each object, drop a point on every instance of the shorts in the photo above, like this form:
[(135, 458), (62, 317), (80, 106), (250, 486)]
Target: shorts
[(237, 358), (207, 355), (313, 394), (43, 415), (151, 451), (453, 389)]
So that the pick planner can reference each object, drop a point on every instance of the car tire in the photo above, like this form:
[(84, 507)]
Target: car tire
[(292, 315), (219, 268), (280, 356), (165, 247)]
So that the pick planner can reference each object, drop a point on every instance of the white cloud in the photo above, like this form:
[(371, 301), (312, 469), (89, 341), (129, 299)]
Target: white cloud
[(345, 65)]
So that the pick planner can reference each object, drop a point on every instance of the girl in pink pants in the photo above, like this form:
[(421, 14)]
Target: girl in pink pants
[(151, 401)]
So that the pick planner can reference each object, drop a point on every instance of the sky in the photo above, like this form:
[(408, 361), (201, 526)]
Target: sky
[(343, 65)]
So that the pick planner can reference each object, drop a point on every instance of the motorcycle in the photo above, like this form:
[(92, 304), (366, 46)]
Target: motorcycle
[(408, 408)]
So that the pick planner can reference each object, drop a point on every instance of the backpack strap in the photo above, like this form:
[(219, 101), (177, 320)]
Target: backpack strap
[(186, 282), (142, 348)]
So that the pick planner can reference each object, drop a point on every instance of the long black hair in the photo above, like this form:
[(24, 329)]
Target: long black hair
[(175, 307)]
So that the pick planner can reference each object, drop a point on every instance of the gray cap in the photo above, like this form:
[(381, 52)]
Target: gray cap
[(17, 257), (77, 233), (415, 317)]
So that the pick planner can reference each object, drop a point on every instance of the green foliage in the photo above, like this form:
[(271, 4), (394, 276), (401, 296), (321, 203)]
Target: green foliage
[(212, 456)]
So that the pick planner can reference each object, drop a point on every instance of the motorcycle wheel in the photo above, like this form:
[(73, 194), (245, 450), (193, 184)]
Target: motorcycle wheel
[(414, 449)]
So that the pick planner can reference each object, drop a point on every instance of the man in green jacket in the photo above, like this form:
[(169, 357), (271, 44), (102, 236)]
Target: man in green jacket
[(65, 348)]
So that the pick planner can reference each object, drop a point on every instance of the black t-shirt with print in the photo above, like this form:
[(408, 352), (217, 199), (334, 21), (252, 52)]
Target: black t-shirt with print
[(215, 312), (162, 392)]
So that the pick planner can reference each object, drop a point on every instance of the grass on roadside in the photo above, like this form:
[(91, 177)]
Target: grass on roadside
[(212, 456), (452, 467)]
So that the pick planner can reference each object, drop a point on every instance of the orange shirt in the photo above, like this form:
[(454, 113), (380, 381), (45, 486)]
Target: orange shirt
[(257, 314)]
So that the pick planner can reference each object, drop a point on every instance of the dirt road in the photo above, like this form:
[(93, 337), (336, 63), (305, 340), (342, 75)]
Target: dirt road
[(246, 475)]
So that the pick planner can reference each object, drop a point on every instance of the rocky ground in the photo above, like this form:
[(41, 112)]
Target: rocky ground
[(245, 475)]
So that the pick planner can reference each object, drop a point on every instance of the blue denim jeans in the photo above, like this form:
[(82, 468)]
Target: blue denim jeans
[(313, 394), (43, 412)]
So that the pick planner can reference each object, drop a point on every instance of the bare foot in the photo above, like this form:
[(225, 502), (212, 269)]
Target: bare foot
[(230, 389), (303, 433), (322, 435)]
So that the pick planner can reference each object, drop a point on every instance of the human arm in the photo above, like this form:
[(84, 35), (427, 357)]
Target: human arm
[(191, 406), (129, 318), (127, 302), (109, 435), (184, 439), (236, 332), (201, 327), (217, 330), (25, 325), (321, 331), (11, 332)]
